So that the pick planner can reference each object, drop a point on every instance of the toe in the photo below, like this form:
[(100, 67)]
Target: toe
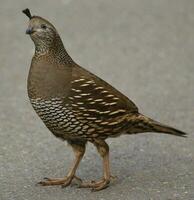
[(56, 181), (101, 186), (95, 185), (64, 182)]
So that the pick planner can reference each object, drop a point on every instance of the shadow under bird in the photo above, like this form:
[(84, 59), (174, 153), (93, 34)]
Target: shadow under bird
[(76, 105)]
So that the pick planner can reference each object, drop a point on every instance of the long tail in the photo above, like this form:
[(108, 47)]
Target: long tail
[(142, 124)]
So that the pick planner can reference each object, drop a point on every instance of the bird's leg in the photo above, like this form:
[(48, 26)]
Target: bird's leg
[(103, 149), (79, 150)]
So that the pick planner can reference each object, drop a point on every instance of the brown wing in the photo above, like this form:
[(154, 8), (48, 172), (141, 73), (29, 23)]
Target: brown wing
[(96, 102)]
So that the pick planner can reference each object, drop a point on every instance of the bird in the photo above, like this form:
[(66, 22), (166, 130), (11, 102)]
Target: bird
[(77, 106)]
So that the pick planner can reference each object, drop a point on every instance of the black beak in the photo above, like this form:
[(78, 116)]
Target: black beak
[(29, 31)]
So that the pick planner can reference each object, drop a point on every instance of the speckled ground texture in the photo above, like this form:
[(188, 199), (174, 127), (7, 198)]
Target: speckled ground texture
[(143, 48)]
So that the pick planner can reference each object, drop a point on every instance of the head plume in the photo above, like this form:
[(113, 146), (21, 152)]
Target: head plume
[(27, 13)]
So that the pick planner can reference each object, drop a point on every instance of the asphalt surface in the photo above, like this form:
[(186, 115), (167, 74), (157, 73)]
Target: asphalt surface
[(143, 48)]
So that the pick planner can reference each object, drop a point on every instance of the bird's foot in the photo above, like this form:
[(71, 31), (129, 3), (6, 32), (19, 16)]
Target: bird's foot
[(97, 185), (64, 182)]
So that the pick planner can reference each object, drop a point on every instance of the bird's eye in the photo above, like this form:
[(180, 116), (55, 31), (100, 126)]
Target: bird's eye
[(43, 26)]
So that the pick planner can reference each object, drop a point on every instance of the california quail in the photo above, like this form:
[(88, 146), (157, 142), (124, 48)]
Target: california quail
[(78, 106)]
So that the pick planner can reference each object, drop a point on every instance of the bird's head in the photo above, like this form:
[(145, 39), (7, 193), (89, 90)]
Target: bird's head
[(41, 31)]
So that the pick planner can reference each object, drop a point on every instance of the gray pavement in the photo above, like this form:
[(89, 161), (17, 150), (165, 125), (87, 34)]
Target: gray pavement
[(143, 48)]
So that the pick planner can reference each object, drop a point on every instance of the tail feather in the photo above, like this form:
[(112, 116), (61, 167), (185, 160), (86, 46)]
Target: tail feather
[(160, 128), (142, 124)]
